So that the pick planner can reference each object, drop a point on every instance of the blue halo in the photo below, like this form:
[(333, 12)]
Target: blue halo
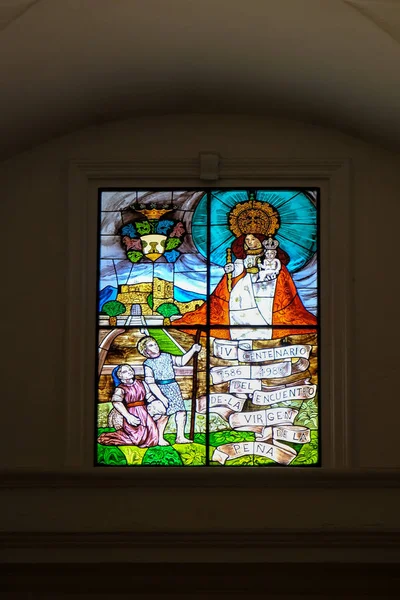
[(297, 234)]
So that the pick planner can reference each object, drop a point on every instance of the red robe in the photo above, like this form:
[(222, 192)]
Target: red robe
[(287, 309), (143, 435)]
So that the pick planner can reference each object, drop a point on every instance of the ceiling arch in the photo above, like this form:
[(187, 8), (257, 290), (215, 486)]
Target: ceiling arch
[(67, 65)]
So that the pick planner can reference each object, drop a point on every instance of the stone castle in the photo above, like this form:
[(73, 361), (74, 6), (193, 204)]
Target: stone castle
[(163, 291)]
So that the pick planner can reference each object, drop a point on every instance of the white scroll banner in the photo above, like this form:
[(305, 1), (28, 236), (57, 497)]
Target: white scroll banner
[(292, 433), (294, 392), (277, 452), (223, 374), (258, 420), (242, 350), (228, 349), (274, 370), (287, 433), (271, 371), (278, 353), (244, 386), (226, 404)]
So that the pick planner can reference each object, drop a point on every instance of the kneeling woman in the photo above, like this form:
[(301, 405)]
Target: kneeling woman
[(139, 429)]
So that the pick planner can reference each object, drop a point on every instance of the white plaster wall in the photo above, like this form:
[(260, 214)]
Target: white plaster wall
[(34, 238)]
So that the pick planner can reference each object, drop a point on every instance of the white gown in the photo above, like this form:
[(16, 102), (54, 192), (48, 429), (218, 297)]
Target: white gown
[(251, 304)]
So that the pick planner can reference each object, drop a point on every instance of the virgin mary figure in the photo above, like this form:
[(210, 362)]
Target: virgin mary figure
[(257, 292)]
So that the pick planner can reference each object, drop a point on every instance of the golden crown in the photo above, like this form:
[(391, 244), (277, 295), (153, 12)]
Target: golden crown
[(154, 213), (253, 216)]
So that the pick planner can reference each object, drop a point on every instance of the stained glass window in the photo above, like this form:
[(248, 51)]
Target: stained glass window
[(208, 328)]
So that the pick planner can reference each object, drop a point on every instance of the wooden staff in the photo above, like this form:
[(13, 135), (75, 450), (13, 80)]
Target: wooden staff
[(229, 260), (194, 389)]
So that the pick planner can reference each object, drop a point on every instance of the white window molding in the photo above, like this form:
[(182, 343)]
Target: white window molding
[(211, 170)]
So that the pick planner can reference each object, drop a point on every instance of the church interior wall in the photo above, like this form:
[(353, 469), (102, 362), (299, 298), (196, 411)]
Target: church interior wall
[(34, 201)]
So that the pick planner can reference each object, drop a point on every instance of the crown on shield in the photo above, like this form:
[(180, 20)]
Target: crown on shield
[(152, 211)]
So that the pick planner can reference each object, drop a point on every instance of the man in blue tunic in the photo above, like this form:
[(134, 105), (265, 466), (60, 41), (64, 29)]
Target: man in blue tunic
[(160, 377)]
